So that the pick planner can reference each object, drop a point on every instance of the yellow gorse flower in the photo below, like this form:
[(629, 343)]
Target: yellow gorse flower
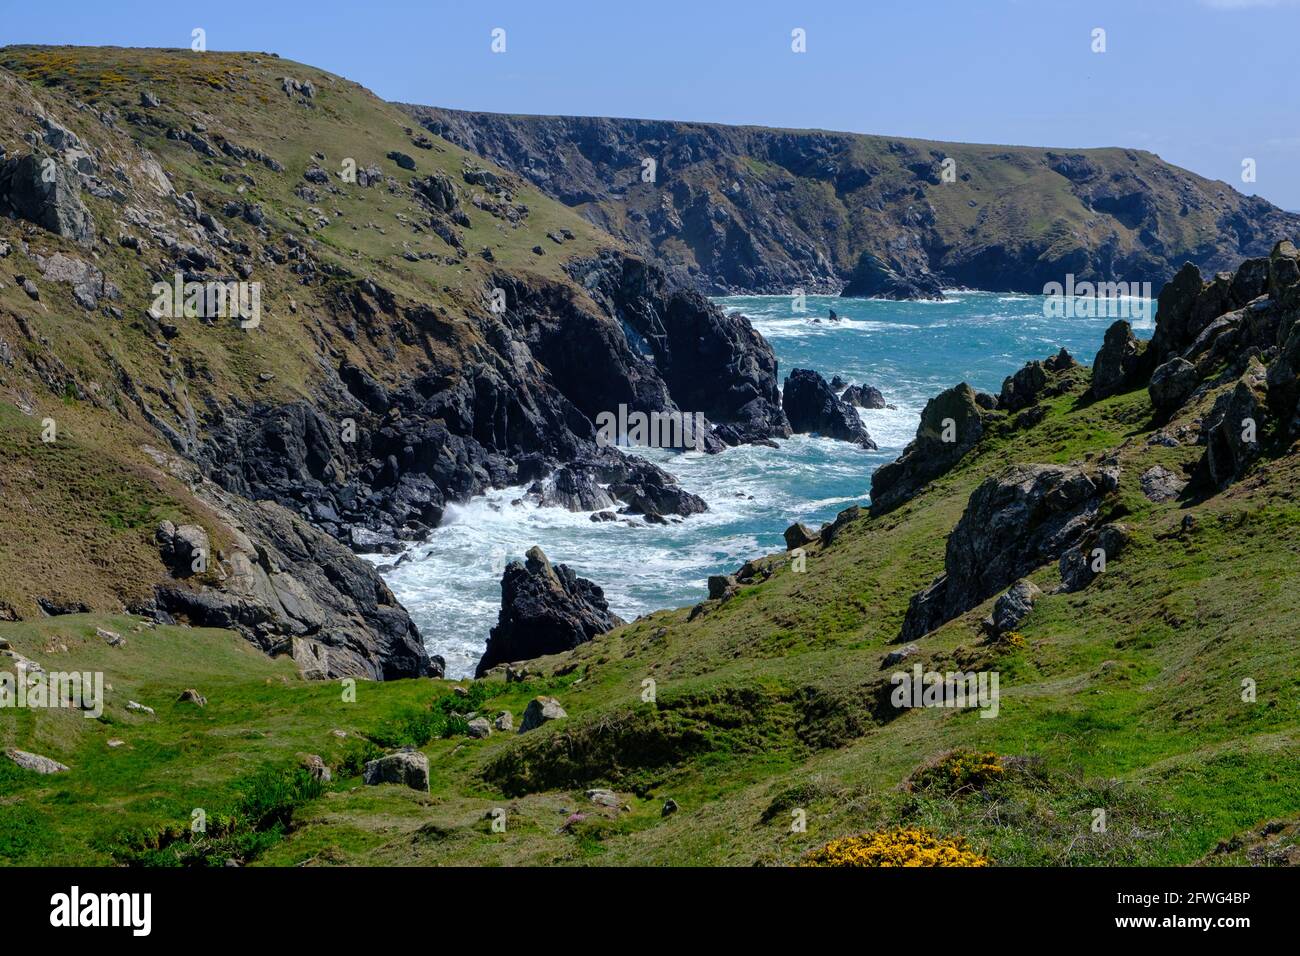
[(910, 846)]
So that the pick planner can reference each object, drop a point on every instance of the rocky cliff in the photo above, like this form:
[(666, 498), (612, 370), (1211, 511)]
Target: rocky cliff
[(736, 209), (307, 326)]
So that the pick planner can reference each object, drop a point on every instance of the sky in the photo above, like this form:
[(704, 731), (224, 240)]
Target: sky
[(1205, 84)]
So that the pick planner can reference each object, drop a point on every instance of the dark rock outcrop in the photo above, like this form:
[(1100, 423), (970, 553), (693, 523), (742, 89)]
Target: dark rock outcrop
[(1171, 384), (1120, 363), (47, 192), (811, 406), (1022, 389), (1083, 561), (1234, 427), (1013, 606), (1012, 525), (545, 609), (863, 396), (951, 425), (872, 278)]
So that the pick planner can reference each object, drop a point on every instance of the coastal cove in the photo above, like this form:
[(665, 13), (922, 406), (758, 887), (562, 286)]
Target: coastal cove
[(450, 583)]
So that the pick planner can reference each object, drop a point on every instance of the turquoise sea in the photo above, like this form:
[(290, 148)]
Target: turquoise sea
[(909, 350)]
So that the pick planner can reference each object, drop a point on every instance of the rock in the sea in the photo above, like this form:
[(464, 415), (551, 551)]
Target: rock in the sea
[(1120, 363), (1013, 524), (1013, 606), (811, 406), (951, 425), (862, 396), (1171, 384), (872, 278), (540, 710), (34, 762), (407, 767), (545, 609)]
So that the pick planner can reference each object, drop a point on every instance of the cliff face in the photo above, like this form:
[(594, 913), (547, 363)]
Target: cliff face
[(748, 209), (416, 327)]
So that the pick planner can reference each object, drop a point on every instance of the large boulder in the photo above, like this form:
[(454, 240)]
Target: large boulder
[(1119, 364), (1171, 384), (1013, 606), (863, 396), (410, 768), (545, 609), (34, 762), (1023, 388), (951, 424), (1013, 524), (541, 710), (812, 406), (47, 192)]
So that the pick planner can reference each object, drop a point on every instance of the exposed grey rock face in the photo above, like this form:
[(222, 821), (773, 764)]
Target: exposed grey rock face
[(1234, 426), (1172, 383), (47, 192), (1013, 524), (410, 768), (290, 588), (545, 609), (798, 535), (479, 728), (1119, 364), (951, 424), (1161, 484), (541, 710), (1013, 606), (894, 658), (88, 283), (811, 406), (1085, 560), (34, 762)]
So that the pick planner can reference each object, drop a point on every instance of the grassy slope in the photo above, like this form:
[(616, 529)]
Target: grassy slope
[(1128, 695)]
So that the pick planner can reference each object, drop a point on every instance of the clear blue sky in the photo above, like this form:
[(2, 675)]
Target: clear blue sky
[(1203, 83)]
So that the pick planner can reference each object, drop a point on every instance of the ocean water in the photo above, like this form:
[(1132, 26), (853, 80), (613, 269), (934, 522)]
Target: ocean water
[(909, 350)]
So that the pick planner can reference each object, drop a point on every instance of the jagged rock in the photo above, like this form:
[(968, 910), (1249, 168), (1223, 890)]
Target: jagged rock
[(541, 710), (951, 424), (603, 798), (669, 808), (504, 721), (479, 728), (185, 550), (1023, 388), (410, 768), (1120, 363), (1161, 484), (402, 159), (1083, 561), (811, 406), (113, 638), (1233, 428), (1013, 606), (862, 396), (88, 282), (192, 696), (545, 609), (51, 201), (1171, 384), (798, 535), (1013, 524), (34, 762), (1062, 361)]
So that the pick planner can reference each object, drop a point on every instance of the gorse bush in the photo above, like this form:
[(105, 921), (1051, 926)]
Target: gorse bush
[(960, 771), (899, 847)]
